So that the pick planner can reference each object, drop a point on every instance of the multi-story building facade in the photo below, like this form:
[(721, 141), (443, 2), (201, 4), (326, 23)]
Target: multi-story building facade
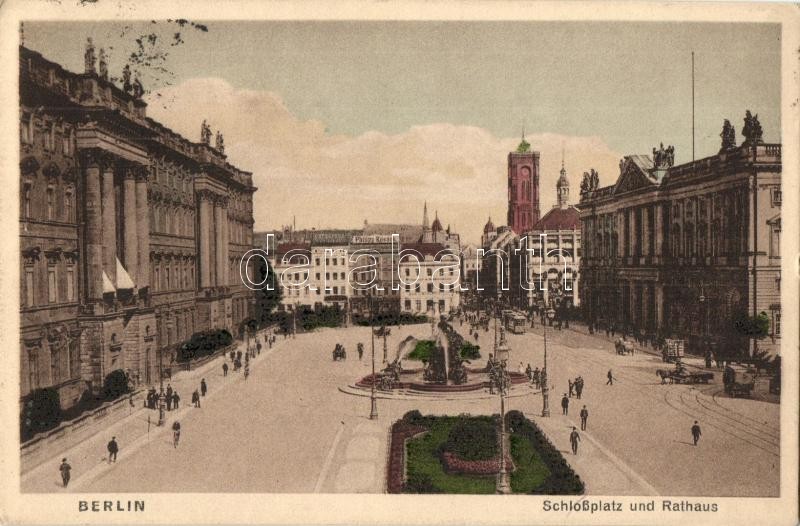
[(683, 251), (549, 256), (429, 281), (130, 235)]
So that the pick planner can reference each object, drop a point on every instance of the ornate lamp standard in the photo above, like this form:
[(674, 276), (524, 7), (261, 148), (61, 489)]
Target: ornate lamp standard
[(383, 328), (502, 381), (545, 395), (373, 411)]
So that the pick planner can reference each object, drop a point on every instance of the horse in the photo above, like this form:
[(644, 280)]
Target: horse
[(665, 375)]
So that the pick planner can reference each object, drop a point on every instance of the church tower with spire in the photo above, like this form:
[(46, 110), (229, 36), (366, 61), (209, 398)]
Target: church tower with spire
[(523, 188), (562, 186)]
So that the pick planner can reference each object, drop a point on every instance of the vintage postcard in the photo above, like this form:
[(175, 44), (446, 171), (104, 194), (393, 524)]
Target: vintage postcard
[(399, 263)]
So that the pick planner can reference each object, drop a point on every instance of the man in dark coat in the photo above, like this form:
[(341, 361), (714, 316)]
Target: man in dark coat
[(565, 404), (574, 438), (203, 387), (696, 432), (224, 369), (65, 469), (175, 399), (113, 449), (610, 378), (584, 418)]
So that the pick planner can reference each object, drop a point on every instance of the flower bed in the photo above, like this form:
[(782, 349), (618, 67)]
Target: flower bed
[(401, 431), (455, 464)]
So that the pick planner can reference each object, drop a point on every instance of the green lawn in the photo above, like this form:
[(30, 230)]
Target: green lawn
[(422, 461)]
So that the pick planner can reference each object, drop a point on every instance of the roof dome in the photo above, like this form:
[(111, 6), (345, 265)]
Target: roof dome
[(489, 226)]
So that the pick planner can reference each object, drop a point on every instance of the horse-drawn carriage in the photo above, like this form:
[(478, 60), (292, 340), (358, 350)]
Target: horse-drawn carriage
[(681, 375), (339, 352), (738, 380), (623, 346)]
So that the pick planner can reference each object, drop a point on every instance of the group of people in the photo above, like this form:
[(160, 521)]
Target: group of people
[(576, 387), (168, 399), (535, 376)]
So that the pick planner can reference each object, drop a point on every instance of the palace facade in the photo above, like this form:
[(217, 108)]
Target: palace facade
[(685, 251), (130, 234)]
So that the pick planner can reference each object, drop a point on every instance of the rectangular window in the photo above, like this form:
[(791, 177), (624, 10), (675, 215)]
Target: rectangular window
[(777, 196), (73, 359), (68, 210), (55, 366), (29, 291), (430, 287), (776, 323), (70, 284), (26, 200), (52, 285), (419, 305), (51, 208), (33, 369)]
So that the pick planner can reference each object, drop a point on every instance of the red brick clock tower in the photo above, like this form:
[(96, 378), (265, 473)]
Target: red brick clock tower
[(523, 188)]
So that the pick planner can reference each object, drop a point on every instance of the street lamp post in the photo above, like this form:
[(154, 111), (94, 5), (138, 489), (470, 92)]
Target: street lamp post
[(161, 384), (373, 411), (503, 486), (384, 345), (545, 394)]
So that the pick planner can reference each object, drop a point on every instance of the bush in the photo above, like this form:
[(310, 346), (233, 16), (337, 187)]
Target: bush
[(41, 412), (422, 351), (473, 439), (470, 351), (115, 385), (203, 344), (413, 417)]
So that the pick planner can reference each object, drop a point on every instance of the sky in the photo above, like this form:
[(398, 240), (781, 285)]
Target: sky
[(345, 121)]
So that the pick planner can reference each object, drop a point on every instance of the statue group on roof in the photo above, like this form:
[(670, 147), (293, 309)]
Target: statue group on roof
[(752, 129), (664, 157), (728, 136), (590, 182), (205, 133)]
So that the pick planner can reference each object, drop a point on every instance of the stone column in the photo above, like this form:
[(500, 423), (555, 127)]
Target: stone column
[(219, 229), (109, 222), (659, 306), (206, 226), (142, 228), (659, 230), (94, 228), (131, 235)]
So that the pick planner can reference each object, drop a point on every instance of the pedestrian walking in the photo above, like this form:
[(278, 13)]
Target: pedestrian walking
[(584, 418), (113, 449), (574, 438), (529, 373), (176, 433), (571, 387), (224, 369), (579, 386), (203, 387), (233, 355), (360, 349), (64, 468), (175, 399), (565, 404), (196, 398), (696, 432), (610, 378)]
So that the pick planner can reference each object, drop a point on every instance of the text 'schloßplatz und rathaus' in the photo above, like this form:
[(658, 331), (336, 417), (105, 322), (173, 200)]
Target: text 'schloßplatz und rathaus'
[(131, 235)]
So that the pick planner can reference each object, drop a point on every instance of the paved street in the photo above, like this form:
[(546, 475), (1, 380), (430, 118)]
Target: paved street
[(288, 428)]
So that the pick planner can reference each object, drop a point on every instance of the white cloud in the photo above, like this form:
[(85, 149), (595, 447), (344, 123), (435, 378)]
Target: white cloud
[(337, 180)]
